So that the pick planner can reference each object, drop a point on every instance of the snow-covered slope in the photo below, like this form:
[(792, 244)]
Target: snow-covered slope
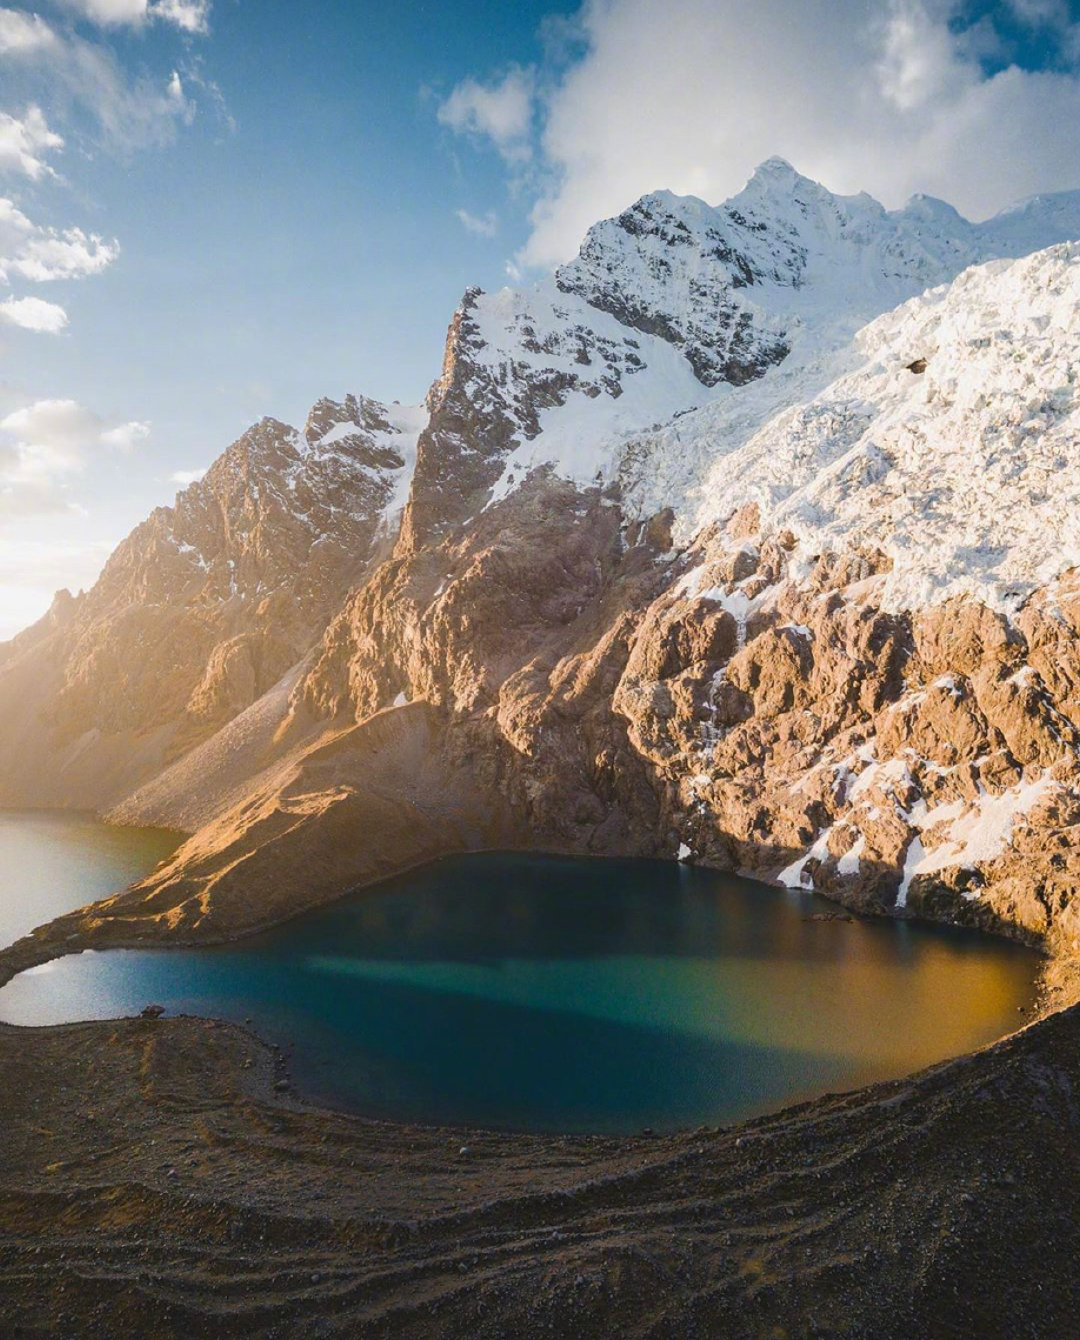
[(967, 474), (737, 312)]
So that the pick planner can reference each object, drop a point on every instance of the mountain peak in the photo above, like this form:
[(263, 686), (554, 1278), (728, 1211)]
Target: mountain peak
[(776, 180), (776, 169), (932, 210)]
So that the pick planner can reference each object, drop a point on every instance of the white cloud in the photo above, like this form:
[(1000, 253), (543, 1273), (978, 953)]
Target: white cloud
[(21, 32), (73, 76), (920, 63), (191, 16), (887, 96), (187, 476), (44, 444), (76, 76), (108, 11), (501, 111), (62, 427), (483, 225), (126, 436), (47, 318), (40, 253), (35, 252), (24, 141), (1035, 12)]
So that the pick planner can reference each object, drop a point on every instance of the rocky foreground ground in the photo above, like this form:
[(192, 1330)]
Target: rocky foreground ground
[(158, 1180)]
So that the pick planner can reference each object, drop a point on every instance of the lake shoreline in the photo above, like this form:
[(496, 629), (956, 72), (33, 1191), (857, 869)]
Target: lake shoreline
[(159, 1181), (207, 1165), (109, 924), (291, 1217), (1056, 984), (526, 992)]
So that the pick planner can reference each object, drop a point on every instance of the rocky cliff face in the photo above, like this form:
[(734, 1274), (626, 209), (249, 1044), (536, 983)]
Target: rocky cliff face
[(204, 606), (693, 563)]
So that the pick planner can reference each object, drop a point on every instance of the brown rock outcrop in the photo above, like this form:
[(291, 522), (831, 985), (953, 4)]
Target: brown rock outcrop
[(753, 701), (199, 612)]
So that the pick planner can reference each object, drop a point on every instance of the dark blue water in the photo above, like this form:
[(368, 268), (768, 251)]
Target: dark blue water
[(543, 993)]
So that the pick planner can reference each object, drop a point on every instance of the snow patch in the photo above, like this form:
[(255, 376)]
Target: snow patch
[(981, 833), (794, 876), (912, 859), (848, 864)]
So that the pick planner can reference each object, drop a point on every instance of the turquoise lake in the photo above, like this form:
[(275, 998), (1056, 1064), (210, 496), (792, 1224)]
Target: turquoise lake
[(543, 993)]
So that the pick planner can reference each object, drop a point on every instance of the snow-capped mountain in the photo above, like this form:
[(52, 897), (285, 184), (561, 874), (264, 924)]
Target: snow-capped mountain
[(737, 312), (748, 536)]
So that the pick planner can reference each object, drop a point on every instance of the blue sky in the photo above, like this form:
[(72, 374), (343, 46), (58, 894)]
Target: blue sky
[(298, 239), (290, 199)]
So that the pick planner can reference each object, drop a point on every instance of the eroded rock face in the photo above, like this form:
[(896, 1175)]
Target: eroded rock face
[(718, 703), (614, 698), (543, 681), (914, 762), (202, 608)]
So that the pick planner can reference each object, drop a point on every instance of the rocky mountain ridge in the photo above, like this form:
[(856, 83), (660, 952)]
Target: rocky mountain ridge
[(690, 564), (205, 606)]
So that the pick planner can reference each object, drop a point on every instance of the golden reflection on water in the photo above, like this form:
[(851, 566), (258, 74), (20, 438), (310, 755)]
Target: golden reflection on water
[(938, 1005), (54, 862), (885, 998), (883, 1015)]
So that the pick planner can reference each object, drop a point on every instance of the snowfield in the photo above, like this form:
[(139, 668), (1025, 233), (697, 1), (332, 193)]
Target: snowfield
[(966, 473)]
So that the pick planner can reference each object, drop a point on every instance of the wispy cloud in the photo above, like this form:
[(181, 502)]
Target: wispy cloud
[(125, 436), (483, 225), (187, 476), (24, 142), (20, 32), (890, 96), (40, 253), (76, 77), (191, 16), (68, 74), (45, 444)]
